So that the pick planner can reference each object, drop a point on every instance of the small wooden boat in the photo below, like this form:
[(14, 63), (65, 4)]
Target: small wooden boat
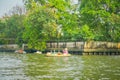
[(57, 55), (38, 52), (20, 51)]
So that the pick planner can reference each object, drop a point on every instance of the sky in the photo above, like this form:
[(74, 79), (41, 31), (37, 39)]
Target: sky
[(6, 5)]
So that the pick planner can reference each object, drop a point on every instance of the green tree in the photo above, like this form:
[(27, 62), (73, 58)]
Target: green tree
[(12, 25), (48, 21), (86, 33), (98, 15), (2, 27), (40, 26)]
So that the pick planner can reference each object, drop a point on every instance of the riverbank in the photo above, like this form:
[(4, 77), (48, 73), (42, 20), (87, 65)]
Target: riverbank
[(81, 48)]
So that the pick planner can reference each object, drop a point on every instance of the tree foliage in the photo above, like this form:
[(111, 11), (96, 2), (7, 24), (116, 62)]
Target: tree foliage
[(12, 25), (99, 16), (47, 20), (40, 26)]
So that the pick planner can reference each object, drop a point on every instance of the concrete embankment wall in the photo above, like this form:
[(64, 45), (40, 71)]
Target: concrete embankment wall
[(101, 48), (87, 48), (76, 47), (9, 48), (14, 47)]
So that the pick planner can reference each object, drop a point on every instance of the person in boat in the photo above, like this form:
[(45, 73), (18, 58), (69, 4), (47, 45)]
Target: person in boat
[(20, 51), (65, 51)]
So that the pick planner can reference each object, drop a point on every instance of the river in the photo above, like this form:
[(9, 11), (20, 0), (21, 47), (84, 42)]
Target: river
[(77, 67)]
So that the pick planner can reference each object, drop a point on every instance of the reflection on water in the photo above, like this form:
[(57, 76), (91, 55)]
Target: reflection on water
[(11, 67), (40, 67), (101, 67)]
